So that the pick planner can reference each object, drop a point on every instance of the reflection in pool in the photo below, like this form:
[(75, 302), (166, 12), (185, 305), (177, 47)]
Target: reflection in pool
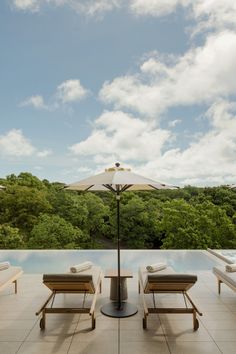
[(50, 261)]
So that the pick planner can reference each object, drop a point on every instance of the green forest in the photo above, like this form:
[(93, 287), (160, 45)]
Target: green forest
[(37, 214)]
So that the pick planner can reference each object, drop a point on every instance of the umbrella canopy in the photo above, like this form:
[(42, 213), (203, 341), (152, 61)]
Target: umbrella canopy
[(117, 179)]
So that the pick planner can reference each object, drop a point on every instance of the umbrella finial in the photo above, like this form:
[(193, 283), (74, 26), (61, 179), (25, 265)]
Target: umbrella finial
[(117, 164)]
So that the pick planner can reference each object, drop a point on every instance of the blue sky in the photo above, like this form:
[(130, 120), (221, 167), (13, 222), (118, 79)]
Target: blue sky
[(150, 84)]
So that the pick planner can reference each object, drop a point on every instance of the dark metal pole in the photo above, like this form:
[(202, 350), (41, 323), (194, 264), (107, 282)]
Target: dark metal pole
[(118, 248)]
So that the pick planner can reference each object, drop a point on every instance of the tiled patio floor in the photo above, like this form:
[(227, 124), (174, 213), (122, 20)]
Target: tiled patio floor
[(71, 334)]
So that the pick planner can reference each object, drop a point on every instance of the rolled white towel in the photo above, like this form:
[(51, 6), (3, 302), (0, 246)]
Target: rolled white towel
[(230, 267), (155, 267), (80, 267), (4, 265)]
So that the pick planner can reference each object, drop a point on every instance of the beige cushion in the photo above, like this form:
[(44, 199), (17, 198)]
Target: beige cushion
[(166, 280), (172, 278), (67, 277), (86, 280)]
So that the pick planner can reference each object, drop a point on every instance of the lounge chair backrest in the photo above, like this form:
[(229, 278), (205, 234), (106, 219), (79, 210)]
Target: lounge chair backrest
[(69, 282), (168, 282)]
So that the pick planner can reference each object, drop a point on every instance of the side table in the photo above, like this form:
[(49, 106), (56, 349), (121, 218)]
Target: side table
[(113, 275)]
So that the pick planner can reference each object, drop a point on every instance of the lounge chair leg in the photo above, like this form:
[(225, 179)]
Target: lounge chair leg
[(42, 321), (195, 321), (93, 322), (219, 286), (145, 322), (15, 282)]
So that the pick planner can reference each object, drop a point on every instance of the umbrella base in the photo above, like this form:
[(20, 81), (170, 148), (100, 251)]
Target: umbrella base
[(112, 309)]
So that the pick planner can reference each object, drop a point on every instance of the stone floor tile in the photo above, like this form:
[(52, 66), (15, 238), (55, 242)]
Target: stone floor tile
[(135, 335), (17, 324), (97, 335), (181, 333), (193, 348), (44, 348), (92, 347), (222, 324), (227, 347), (144, 348), (13, 335), (9, 347), (220, 335), (62, 331)]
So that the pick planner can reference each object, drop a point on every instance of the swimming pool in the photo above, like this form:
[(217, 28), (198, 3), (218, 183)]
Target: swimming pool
[(50, 261)]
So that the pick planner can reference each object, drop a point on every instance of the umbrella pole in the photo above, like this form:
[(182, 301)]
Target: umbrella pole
[(118, 309), (118, 247)]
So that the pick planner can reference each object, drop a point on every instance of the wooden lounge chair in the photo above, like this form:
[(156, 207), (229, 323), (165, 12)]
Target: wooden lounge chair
[(167, 281), (225, 277), (9, 276), (86, 282)]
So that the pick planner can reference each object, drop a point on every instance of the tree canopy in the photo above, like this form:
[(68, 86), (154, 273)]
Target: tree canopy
[(40, 214)]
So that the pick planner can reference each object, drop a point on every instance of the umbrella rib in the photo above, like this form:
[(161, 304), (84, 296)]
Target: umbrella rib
[(108, 186), (89, 187), (155, 187), (125, 187)]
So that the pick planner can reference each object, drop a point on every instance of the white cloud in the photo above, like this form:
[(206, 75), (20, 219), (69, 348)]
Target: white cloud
[(71, 91), (122, 137), (156, 8), (201, 75), (210, 159), (14, 143), (174, 122), (27, 5), (38, 168), (216, 14), (87, 7), (44, 153), (67, 92), (91, 7), (209, 14), (35, 101)]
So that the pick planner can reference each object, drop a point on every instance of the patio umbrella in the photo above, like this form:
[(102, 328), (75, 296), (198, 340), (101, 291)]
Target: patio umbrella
[(118, 180)]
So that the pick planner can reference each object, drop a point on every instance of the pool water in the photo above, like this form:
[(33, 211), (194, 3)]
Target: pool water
[(50, 261)]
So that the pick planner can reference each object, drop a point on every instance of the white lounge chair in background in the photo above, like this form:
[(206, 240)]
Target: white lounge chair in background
[(228, 278), (9, 276)]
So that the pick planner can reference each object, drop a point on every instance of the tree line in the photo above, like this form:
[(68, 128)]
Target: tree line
[(37, 214)]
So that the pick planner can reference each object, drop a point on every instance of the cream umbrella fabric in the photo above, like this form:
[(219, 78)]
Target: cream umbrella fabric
[(118, 180)]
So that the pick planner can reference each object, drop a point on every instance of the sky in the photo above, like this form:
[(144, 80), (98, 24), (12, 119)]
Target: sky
[(147, 83)]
